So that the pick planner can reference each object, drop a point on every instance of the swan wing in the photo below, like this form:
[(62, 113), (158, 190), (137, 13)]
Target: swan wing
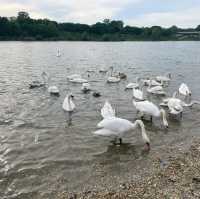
[(107, 110), (105, 132), (68, 105), (147, 107), (184, 89)]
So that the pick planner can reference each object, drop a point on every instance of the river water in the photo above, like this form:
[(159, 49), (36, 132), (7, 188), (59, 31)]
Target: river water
[(41, 155)]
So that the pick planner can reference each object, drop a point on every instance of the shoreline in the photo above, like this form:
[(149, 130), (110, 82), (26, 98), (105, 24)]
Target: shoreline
[(178, 178)]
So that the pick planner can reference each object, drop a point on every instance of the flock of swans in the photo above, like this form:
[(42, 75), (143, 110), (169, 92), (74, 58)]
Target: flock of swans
[(116, 127)]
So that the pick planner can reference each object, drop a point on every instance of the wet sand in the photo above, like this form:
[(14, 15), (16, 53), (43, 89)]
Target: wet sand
[(177, 177)]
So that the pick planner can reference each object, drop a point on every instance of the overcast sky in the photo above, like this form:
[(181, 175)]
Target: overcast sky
[(183, 13)]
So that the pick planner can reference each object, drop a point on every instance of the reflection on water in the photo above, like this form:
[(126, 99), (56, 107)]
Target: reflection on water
[(44, 150)]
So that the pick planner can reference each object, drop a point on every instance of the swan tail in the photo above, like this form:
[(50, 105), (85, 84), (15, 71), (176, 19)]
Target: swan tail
[(107, 111)]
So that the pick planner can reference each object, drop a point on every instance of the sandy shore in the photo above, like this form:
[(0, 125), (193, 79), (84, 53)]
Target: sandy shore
[(179, 178)]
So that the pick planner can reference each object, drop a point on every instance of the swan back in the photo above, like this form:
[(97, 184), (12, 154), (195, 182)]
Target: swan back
[(147, 107), (107, 111), (53, 89), (116, 124)]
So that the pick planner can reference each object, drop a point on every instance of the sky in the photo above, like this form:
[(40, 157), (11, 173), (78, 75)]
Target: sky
[(183, 13)]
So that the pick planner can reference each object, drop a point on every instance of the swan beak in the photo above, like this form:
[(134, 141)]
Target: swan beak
[(72, 96), (148, 146)]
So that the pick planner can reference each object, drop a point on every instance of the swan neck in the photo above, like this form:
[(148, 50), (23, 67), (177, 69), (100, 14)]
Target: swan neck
[(163, 114), (143, 131)]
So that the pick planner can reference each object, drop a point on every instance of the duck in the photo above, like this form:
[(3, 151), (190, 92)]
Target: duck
[(96, 94), (117, 127), (122, 75), (68, 104), (148, 108)]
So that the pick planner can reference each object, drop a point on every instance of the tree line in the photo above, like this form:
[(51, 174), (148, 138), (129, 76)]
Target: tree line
[(23, 27)]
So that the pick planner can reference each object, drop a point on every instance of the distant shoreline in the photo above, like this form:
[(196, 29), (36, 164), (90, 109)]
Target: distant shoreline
[(24, 28)]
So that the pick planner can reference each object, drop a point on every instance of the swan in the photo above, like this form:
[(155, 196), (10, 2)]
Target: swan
[(85, 87), (103, 70), (155, 89), (78, 80), (37, 83), (107, 111), (58, 53), (112, 78), (117, 127), (133, 85), (53, 90), (148, 108), (176, 105), (152, 82), (74, 76), (68, 104), (165, 78), (184, 90), (138, 94)]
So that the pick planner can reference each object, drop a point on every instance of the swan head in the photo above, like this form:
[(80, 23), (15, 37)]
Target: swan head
[(70, 96)]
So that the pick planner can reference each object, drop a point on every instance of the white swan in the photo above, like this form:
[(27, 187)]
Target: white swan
[(103, 70), (53, 90), (176, 105), (133, 84), (112, 78), (86, 87), (138, 94), (107, 111), (165, 78), (78, 80), (148, 108), (184, 90), (68, 104), (158, 90), (118, 127), (73, 76), (152, 82), (58, 53)]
